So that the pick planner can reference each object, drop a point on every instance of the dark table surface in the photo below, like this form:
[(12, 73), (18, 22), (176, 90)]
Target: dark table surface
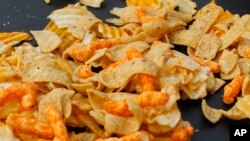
[(26, 15)]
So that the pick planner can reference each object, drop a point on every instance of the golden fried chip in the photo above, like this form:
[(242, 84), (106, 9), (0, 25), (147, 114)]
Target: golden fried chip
[(174, 24), (122, 73), (189, 38), (187, 6), (206, 17), (211, 82), (77, 22), (83, 136), (11, 107), (246, 20), (243, 105), (227, 61), (44, 72), (6, 134), (67, 38), (244, 65), (218, 84), (6, 73), (59, 97), (157, 53), (233, 34), (243, 47), (11, 37), (115, 53), (146, 3), (235, 72), (82, 88), (47, 40), (92, 3), (181, 16), (208, 47), (246, 86), (234, 113), (211, 114)]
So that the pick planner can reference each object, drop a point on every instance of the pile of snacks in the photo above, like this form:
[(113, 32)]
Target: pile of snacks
[(119, 83)]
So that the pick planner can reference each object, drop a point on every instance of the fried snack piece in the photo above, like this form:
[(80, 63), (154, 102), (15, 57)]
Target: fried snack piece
[(182, 133), (83, 53), (21, 124), (56, 121), (25, 91), (152, 99), (232, 89), (119, 108), (211, 64), (67, 38), (10, 37), (144, 18), (137, 136), (85, 72)]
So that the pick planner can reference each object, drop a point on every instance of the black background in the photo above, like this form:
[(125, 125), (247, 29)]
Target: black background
[(26, 15)]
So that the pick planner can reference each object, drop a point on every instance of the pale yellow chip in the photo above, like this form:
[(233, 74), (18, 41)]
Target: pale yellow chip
[(115, 53), (246, 20), (155, 29), (244, 65), (77, 19), (157, 53), (45, 73), (86, 136), (186, 6), (243, 104), (233, 34), (211, 82), (47, 40), (235, 72), (246, 86), (174, 24), (121, 74), (208, 47), (243, 47), (6, 134), (206, 17), (82, 88), (67, 38), (189, 38), (92, 3), (181, 16), (211, 114), (146, 3), (227, 61), (218, 85), (60, 98), (234, 113)]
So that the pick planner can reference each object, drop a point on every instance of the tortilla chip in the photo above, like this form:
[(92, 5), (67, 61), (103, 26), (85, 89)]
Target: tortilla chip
[(189, 38), (246, 20), (13, 37), (187, 6), (83, 136), (244, 65), (146, 3), (115, 53), (227, 61), (234, 113), (157, 53), (66, 37), (218, 85), (235, 72), (97, 55), (243, 105), (246, 86), (92, 3), (6, 134), (208, 47), (206, 17), (59, 97), (81, 102), (244, 45), (181, 16), (47, 40), (211, 114), (211, 82), (233, 34), (45, 73), (155, 29), (77, 22), (122, 73), (82, 88)]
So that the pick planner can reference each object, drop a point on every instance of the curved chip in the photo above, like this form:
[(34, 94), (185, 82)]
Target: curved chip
[(246, 86), (59, 97), (211, 114), (243, 104), (227, 61), (47, 40), (234, 113), (146, 3), (92, 3), (244, 64), (118, 76)]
